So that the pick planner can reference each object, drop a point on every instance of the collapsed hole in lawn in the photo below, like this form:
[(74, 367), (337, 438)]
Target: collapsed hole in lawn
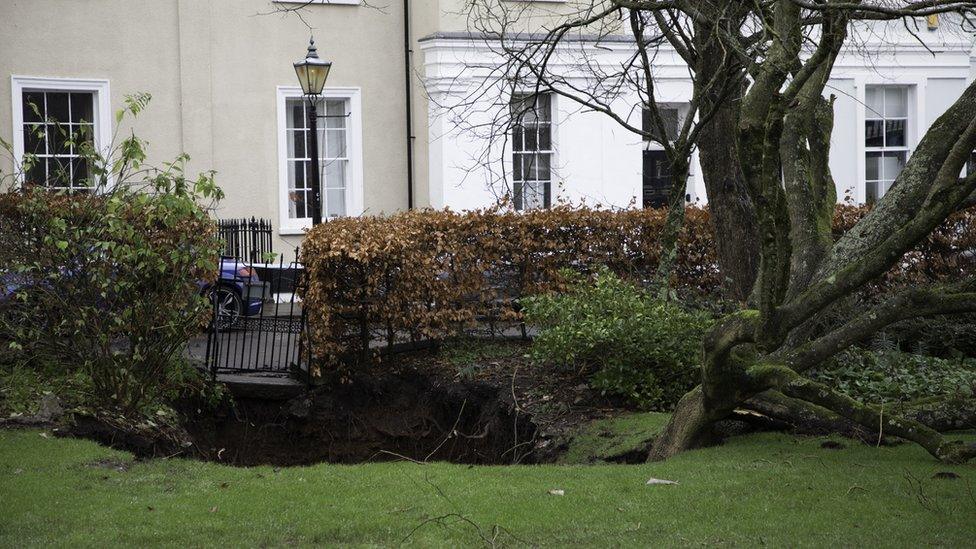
[(372, 419)]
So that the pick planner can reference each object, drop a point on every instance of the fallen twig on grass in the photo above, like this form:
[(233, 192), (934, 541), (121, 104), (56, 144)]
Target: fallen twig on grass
[(492, 541), (915, 485)]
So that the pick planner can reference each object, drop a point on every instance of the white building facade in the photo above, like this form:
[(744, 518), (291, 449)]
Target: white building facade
[(888, 92)]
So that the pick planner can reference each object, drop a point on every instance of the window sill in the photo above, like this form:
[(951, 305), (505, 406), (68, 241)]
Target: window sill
[(292, 231)]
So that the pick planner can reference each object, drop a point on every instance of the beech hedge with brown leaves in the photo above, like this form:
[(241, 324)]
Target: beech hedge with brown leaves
[(427, 274)]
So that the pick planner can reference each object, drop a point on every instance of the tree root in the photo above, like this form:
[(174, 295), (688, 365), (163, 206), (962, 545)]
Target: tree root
[(816, 393), (804, 411), (805, 418)]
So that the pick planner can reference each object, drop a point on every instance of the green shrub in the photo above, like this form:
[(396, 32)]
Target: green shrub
[(632, 344), (889, 375), (106, 283)]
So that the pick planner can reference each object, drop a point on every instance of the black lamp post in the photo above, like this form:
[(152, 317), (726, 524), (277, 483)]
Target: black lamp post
[(312, 73)]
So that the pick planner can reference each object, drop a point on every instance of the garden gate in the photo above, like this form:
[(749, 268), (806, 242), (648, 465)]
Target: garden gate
[(258, 323)]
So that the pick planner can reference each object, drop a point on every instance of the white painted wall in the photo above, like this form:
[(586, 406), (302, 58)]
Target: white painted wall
[(597, 161)]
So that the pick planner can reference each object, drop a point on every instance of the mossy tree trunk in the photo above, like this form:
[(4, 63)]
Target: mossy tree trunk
[(731, 207), (783, 145)]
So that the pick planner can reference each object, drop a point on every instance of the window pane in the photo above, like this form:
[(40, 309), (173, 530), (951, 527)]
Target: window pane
[(873, 171), (80, 172), (896, 102), (874, 102), (57, 106), (36, 174), (295, 114), (545, 138), (540, 167), (526, 114), (649, 127), (531, 140), (534, 195), (335, 174), (82, 107), (517, 141), (530, 165), (59, 136), (297, 192), (519, 104), (335, 141), (543, 107), (33, 106), (60, 172), (84, 133), (335, 183), (296, 174), (871, 192), (297, 204), (296, 144), (894, 133), (335, 114), (517, 167), (892, 165), (335, 200), (544, 168), (34, 138), (874, 133)]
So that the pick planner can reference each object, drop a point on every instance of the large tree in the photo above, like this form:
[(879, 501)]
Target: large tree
[(762, 123)]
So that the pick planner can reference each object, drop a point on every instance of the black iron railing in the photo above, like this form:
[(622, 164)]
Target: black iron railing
[(258, 322), (246, 239)]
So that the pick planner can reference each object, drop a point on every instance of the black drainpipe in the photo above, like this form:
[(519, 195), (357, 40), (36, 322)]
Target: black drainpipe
[(406, 74)]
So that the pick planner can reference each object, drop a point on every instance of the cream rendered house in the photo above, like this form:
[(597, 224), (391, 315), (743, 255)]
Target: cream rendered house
[(224, 92)]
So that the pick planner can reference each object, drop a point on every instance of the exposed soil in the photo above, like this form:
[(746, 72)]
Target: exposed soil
[(396, 416), (490, 410)]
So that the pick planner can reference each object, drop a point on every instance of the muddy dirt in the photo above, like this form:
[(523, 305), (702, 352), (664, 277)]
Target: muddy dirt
[(492, 410), (393, 417), (380, 419)]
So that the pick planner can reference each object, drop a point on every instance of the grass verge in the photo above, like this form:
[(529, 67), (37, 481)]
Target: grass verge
[(759, 489)]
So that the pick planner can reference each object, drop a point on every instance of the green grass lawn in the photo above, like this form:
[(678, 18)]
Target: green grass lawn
[(761, 489)]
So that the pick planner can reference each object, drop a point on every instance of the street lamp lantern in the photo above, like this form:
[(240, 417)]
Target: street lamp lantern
[(312, 73)]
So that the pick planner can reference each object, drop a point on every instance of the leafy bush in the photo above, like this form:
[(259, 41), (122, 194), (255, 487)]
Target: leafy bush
[(635, 346), (890, 375), (106, 283)]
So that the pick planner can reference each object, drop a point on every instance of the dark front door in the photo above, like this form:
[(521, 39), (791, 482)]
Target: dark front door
[(657, 179)]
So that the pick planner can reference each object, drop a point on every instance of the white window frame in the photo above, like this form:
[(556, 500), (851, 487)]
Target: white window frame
[(552, 151), (916, 113), (354, 129), (102, 115), (909, 129)]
